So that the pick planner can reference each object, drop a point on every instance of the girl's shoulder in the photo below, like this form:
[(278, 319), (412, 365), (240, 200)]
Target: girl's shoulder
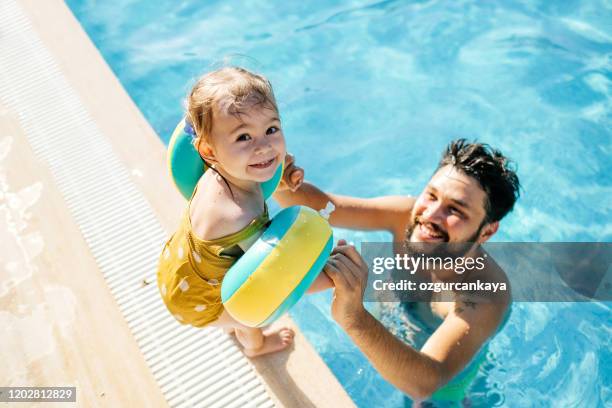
[(214, 213)]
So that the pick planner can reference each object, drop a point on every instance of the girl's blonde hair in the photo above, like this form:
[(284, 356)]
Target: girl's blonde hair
[(232, 90)]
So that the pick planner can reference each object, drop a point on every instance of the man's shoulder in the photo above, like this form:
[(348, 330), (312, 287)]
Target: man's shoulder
[(493, 287), (487, 312)]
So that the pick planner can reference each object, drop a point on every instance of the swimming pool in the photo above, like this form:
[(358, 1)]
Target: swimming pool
[(370, 92)]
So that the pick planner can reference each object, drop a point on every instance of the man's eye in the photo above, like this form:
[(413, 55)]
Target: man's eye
[(271, 130), (455, 211), (243, 137)]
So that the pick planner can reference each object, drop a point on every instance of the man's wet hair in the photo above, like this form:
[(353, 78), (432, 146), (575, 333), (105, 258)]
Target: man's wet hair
[(495, 173)]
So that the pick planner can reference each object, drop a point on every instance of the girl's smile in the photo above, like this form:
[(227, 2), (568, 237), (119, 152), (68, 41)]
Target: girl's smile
[(263, 164)]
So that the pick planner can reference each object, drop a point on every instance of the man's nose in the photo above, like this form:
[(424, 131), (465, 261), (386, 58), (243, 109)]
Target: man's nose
[(433, 213)]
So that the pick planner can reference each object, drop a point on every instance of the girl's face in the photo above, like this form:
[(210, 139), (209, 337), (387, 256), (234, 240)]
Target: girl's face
[(249, 146)]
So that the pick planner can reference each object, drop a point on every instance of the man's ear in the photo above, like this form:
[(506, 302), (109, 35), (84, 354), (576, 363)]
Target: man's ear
[(206, 151), (487, 232)]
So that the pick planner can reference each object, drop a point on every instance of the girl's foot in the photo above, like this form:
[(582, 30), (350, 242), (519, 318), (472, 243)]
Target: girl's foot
[(274, 340)]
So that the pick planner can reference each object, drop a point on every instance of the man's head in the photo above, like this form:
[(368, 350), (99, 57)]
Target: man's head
[(472, 189)]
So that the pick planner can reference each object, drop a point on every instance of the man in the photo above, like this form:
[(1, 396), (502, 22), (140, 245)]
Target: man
[(472, 189)]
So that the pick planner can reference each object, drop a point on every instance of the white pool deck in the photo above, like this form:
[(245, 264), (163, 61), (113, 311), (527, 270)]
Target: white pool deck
[(85, 203)]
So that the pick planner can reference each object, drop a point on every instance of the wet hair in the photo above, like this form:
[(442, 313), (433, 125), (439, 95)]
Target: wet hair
[(495, 173), (232, 90)]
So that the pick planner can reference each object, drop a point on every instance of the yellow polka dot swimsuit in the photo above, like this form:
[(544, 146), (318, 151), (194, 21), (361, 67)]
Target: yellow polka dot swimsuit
[(191, 270)]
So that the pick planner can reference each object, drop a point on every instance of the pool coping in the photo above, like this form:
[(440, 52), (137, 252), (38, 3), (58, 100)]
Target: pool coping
[(295, 378)]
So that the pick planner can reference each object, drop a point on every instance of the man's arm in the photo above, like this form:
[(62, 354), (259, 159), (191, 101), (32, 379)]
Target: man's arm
[(421, 373), (417, 373), (390, 213)]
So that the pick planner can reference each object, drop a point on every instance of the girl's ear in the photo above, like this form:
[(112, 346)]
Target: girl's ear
[(205, 150)]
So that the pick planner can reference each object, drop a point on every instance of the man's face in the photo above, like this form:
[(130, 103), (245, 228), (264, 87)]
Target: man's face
[(450, 209)]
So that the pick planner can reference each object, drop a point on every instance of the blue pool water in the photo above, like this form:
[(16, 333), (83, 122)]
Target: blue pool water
[(370, 92)]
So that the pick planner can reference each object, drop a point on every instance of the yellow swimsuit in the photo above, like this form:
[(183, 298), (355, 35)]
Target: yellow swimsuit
[(191, 270)]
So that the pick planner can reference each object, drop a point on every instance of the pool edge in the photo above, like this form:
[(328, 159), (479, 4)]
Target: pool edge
[(299, 377)]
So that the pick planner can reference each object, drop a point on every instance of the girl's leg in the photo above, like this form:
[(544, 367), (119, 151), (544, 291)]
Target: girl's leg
[(255, 341)]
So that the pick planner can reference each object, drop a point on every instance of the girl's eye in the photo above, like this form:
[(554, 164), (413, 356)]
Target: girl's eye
[(271, 130), (243, 137), (431, 196)]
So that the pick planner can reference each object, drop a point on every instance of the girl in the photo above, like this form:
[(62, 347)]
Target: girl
[(238, 134)]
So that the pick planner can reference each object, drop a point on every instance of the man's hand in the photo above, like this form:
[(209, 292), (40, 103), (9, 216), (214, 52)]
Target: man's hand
[(349, 272), (293, 176)]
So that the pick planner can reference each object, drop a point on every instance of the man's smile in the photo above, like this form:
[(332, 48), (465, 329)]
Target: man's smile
[(430, 232)]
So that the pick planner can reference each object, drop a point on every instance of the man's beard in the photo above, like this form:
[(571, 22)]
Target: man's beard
[(444, 248)]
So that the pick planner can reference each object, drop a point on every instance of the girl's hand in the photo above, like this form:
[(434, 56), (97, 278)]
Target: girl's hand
[(293, 176)]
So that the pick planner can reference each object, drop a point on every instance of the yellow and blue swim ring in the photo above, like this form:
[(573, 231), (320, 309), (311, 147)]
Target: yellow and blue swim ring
[(186, 166), (278, 269)]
